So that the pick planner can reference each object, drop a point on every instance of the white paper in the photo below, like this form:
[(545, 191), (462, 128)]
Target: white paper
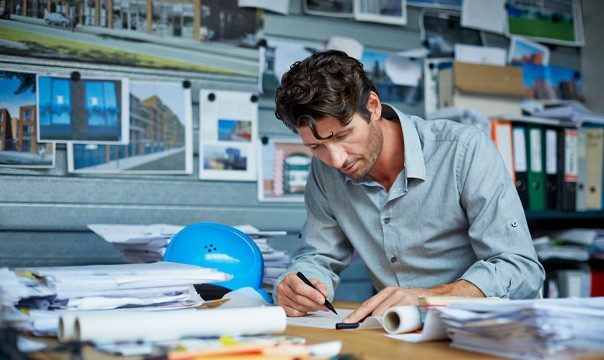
[(118, 233), (129, 325), (349, 45), (278, 6), (403, 70), (480, 54), (484, 15), (228, 133)]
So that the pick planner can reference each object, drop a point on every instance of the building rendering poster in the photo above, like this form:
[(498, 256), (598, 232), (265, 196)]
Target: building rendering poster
[(161, 135), (228, 133), (19, 146), (283, 170), (82, 110)]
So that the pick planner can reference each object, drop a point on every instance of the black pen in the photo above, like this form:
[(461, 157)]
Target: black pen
[(307, 282)]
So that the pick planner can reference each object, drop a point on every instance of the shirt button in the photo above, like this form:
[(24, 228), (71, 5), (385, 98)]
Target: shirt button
[(514, 223), (386, 220), (393, 259)]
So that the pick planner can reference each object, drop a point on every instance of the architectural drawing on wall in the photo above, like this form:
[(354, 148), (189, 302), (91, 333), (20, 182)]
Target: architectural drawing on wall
[(557, 22), (228, 132), (283, 171), (92, 110), (551, 82), (440, 30), (335, 8), (527, 51), (207, 20), (275, 58), (392, 12), (112, 25), (374, 63), (161, 135), (19, 146)]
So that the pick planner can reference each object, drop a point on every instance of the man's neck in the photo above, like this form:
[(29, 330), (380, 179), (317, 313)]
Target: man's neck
[(391, 160)]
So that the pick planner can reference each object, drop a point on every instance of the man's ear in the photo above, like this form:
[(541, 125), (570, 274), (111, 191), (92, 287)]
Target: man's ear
[(374, 105)]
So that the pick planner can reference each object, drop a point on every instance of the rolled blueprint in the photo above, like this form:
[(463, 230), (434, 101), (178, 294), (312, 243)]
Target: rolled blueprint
[(105, 326), (401, 319)]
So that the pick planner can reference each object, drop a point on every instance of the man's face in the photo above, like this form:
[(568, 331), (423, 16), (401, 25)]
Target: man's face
[(353, 149)]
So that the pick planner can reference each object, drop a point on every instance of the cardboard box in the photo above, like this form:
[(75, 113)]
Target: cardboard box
[(489, 89), (488, 79)]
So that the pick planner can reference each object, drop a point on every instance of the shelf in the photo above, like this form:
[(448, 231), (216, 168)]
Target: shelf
[(556, 214)]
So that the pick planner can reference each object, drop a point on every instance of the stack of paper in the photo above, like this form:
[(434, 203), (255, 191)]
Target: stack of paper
[(46, 291), (138, 243), (275, 261), (147, 243), (528, 329)]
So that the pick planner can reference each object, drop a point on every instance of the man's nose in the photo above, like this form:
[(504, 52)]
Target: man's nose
[(337, 155)]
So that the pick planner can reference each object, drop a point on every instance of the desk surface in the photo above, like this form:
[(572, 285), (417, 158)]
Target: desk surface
[(365, 344), (373, 344)]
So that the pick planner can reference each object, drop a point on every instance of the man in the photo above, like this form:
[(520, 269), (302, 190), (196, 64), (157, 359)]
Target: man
[(428, 205)]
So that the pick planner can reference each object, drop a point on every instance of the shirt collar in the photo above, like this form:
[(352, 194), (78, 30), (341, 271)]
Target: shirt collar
[(414, 157)]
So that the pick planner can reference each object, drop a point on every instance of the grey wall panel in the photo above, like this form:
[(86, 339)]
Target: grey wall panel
[(317, 29), (69, 216), (52, 201)]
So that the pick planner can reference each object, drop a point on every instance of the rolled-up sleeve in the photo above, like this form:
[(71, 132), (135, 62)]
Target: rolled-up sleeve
[(507, 263)]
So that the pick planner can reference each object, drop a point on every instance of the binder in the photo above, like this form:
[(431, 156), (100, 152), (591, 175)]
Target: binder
[(594, 153), (581, 170), (568, 168), (552, 158), (536, 173), (520, 162), (501, 133)]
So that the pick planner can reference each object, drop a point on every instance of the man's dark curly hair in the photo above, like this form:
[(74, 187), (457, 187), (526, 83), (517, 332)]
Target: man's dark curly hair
[(327, 83)]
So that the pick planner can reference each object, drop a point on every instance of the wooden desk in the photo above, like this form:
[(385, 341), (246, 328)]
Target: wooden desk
[(374, 344), (365, 344)]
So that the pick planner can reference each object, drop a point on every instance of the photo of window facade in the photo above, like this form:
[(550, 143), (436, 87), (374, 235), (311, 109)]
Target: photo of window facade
[(158, 138), (19, 146)]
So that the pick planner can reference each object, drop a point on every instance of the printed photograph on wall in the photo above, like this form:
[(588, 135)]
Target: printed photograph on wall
[(161, 135), (551, 82), (227, 135), (557, 22), (525, 51), (440, 30), (19, 145), (82, 110), (385, 71), (132, 33), (393, 12), (276, 57), (283, 171)]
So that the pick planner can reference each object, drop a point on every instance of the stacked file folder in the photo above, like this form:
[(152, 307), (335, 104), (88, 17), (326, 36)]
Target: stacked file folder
[(528, 329)]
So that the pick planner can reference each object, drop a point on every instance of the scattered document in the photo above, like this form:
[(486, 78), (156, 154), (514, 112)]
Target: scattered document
[(400, 322)]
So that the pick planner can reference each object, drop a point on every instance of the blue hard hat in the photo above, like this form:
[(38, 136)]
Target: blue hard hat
[(223, 248)]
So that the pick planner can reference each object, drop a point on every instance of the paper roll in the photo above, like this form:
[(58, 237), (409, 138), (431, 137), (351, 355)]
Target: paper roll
[(172, 325), (401, 319)]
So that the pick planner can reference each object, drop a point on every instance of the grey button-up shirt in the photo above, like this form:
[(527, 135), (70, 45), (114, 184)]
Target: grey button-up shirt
[(452, 214)]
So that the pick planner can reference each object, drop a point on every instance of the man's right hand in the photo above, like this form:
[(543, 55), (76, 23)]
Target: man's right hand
[(297, 298)]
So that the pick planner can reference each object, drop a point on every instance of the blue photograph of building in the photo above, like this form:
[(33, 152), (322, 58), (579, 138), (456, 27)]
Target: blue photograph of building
[(80, 111)]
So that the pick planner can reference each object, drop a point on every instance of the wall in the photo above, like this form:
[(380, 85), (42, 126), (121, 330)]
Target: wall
[(44, 213)]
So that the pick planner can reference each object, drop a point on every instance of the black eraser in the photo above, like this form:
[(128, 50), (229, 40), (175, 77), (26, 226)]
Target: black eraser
[(343, 326)]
